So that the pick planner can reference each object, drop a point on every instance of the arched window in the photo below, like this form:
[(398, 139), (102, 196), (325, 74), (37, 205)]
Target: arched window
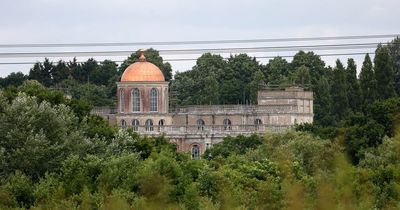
[(195, 152), (149, 125), (161, 124), (200, 124), (121, 101), (227, 124), (135, 125), (153, 100), (257, 123), (123, 123), (135, 100)]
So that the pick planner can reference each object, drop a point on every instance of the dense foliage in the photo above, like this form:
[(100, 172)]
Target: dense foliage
[(55, 155)]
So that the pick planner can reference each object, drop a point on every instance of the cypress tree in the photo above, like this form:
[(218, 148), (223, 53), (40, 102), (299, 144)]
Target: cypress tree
[(367, 82), (42, 72), (384, 74), (394, 47), (323, 103), (354, 93), (339, 92)]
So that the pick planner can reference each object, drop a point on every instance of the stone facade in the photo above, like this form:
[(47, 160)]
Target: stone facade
[(143, 105), (195, 128)]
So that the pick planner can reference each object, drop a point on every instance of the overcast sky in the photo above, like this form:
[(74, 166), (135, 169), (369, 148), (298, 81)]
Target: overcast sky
[(79, 21)]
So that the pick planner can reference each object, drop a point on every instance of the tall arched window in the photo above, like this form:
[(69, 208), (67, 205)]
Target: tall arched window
[(153, 100), (161, 124), (257, 123), (227, 124), (195, 152), (149, 125), (123, 123), (200, 124), (121, 101), (135, 125), (135, 100)]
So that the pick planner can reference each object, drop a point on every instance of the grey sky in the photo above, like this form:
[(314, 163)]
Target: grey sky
[(78, 21)]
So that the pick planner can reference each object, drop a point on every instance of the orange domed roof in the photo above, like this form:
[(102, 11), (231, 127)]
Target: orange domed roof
[(142, 71)]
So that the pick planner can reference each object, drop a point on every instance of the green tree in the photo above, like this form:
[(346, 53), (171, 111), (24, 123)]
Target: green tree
[(367, 82), (44, 133), (339, 92), (384, 74), (182, 91), (323, 103), (87, 69), (394, 47), (152, 56), (312, 61), (60, 72), (42, 72), (354, 92), (277, 70), (211, 90), (13, 79), (104, 74), (255, 85), (301, 76), (235, 78)]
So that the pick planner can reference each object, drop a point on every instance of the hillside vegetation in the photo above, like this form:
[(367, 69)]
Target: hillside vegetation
[(54, 156)]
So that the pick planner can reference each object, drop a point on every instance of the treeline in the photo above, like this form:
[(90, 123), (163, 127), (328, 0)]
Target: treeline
[(92, 81), (338, 90), (55, 155)]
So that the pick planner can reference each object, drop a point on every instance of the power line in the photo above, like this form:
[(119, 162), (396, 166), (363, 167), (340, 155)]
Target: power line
[(348, 46), (194, 59), (199, 42)]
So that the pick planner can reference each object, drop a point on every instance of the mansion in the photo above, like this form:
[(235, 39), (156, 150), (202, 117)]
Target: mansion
[(143, 105)]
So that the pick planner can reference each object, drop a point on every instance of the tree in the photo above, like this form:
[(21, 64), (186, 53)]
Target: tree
[(255, 85), (312, 61), (211, 90), (152, 56), (277, 70), (87, 70), (367, 82), (13, 79), (323, 103), (394, 47), (301, 76), (60, 72), (384, 74), (236, 76), (182, 91), (104, 73), (42, 72), (207, 71), (354, 92), (339, 92), (46, 134)]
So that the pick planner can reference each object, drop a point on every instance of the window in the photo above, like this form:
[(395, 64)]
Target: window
[(149, 125), (195, 152), (153, 100), (227, 124), (257, 122), (135, 125), (135, 100), (123, 123), (200, 124), (121, 101), (161, 124)]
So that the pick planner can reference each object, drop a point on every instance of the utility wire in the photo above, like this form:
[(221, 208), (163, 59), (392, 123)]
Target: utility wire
[(232, 41), (194, 59), (348, 46)]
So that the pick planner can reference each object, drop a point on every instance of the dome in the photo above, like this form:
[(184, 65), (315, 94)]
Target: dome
[(142, 71)]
